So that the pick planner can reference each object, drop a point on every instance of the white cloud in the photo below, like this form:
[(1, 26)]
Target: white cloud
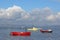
[(26, 16), (58, 15), (14, 9), (12, 15), (13, 12), (16, 14), (45, 16), (54, 17), (51, 17)]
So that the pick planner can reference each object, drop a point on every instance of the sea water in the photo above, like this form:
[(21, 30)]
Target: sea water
[(35, 35)]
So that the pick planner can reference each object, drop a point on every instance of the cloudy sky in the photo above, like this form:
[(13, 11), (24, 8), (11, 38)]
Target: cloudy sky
[(30, 12)]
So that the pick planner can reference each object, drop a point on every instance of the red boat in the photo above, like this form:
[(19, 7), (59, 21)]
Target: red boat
[(46, 31), (20, 33)]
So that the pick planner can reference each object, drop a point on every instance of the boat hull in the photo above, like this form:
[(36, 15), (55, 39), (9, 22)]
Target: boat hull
[(20, 33), (45, 31)]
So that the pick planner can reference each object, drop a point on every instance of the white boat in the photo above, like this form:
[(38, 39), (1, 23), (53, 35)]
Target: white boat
[(33, 29)]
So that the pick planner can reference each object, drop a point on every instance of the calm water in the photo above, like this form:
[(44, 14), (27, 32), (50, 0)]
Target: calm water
[(5, 31)]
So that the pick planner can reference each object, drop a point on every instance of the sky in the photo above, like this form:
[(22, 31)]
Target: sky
[(31, 4), (30, 12)]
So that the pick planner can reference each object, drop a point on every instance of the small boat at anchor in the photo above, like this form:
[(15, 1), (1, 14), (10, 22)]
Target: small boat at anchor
[(20, 33), (33, 29), (46, 31)]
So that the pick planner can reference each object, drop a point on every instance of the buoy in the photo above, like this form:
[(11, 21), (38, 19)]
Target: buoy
[(20, 33)]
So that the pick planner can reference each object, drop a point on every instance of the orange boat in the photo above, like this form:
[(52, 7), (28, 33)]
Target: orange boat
[(20, 33), (46, 31)]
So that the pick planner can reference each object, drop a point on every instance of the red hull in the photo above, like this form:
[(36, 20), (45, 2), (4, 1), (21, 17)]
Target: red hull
[(45, 31), (20, 33)]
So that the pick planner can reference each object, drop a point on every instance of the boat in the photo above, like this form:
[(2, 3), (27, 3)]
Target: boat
[(46, 31), (33, 29), (20, 33)]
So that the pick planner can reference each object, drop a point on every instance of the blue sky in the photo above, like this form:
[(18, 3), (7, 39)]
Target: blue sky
[(36, 12), (31, 4)]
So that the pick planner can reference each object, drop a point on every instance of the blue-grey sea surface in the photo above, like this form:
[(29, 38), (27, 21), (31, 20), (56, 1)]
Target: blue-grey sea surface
[(35, 35)]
